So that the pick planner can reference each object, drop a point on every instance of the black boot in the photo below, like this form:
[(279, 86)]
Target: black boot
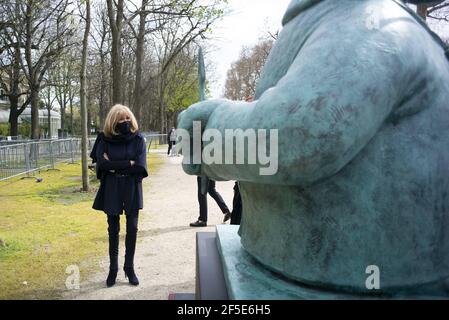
[(130, 243), (131, 275), (112, 276), (113, 259)]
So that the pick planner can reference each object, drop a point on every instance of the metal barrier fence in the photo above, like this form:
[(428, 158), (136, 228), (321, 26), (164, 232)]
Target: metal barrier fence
[(12, 142), (29, 156), (155, 140)]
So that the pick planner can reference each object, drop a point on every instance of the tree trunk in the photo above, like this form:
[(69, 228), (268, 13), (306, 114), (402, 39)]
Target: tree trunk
[(63, 107), (84, 134), (117, 96), (71, 116), (14, 88), (139, 59), (130, 95), (116, 49), (422, 10), (63, 117), (102, 101), (48, 103), (71, 97), (105, 76), (49, 136), (35, 130), (162, 105), (14, 125), (124, 82), (13, 116), (89, 115), (61, 97), (31, 72)]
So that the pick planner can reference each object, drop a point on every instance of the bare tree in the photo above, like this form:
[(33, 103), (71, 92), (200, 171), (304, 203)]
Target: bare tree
[(242, 78), (12, 80), (140, 42), (181, 88), (61, 77), (177, 35), (49, 99), (115, 15), (46, 22), (125, 35), (84, 136), (72, 92), (100, 36), (439, 12), (435, 10)]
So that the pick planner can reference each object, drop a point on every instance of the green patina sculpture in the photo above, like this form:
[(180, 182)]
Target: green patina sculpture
[(359, 91)]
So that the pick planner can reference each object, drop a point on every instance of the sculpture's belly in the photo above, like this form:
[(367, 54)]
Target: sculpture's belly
[(388, 207)]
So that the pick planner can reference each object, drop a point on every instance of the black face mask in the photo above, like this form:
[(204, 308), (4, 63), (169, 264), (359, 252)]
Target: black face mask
[(124, 127)]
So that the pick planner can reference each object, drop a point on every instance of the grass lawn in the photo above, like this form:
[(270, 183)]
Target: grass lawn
[(46, 227)]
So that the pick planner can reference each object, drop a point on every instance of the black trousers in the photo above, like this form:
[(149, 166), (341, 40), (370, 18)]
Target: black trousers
[(236, 216), (130, 239), (170, 146), (202, 199)]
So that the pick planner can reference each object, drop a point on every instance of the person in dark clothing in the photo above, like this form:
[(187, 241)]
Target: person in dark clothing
[(202, 200), (120, 156), (236, 214), (171, 136)]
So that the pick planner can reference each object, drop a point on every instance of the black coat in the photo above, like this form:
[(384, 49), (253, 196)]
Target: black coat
[(121, 184)]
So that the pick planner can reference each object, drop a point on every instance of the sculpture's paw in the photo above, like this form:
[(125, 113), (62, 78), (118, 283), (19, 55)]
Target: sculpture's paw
[(199, 112)]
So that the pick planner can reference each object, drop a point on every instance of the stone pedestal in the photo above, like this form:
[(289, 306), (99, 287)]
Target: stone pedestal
[(247, 279), (210, 283)]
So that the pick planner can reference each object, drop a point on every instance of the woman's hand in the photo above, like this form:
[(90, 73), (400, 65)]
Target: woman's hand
[(105, 155)]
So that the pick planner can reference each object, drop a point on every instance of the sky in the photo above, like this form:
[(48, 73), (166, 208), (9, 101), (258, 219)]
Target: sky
[(246, 22)]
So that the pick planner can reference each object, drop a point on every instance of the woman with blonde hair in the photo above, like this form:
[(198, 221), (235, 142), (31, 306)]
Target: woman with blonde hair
[(120, 154)]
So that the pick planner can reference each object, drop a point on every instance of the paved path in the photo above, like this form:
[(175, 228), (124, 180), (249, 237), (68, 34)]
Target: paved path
[(165, 255)]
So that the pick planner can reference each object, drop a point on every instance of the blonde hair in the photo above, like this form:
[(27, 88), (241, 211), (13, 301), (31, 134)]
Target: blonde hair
[(117, 113)]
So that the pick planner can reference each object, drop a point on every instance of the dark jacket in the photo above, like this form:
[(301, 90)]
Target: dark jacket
[(121, 184)]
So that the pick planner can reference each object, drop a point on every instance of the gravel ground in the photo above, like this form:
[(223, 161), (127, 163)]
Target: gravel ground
[(165, 254)]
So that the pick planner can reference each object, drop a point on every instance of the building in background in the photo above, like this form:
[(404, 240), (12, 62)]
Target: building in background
[(25, 118)]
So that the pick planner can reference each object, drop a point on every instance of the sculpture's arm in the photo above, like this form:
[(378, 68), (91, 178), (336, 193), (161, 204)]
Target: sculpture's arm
[(331, 102)]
